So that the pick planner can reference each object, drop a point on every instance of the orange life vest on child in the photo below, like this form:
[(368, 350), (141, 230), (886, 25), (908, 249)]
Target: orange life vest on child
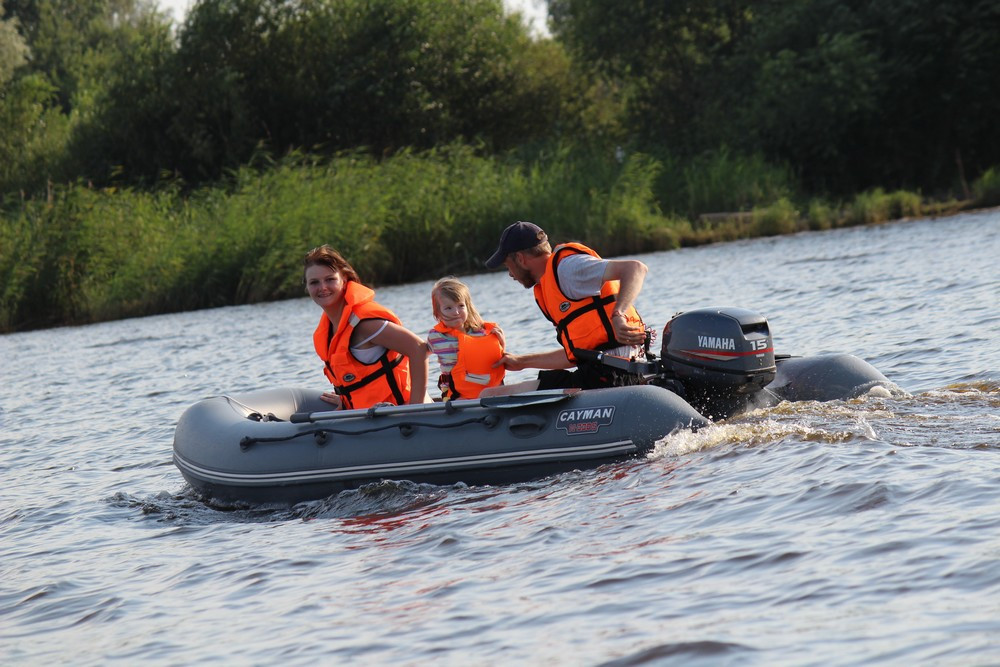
[(361, 385), (580, 323), (473, 371)]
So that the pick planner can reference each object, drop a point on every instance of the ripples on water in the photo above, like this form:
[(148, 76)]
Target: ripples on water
[(865, 531)]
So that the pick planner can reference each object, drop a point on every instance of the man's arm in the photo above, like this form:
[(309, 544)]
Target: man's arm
[(630, 273), (551, 360)]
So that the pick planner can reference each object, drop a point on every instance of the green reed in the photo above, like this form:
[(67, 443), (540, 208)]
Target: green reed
[(724, 180), (85, 255), (986, 188)]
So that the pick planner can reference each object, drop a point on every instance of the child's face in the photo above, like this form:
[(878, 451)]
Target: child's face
[(451, 313)]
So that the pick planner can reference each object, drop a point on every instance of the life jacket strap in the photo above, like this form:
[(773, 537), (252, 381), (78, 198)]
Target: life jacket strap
[(597, 303), (452, 391), (385, 370)]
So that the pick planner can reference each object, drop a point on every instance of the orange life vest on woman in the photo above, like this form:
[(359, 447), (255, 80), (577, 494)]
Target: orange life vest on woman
[(361, 385), (580, 323), (473, 371)]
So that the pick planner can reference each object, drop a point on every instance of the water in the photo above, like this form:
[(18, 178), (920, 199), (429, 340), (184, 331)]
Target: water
[(865, 532)]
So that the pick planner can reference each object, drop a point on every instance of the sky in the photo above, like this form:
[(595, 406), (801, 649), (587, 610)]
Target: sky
[(532, 10)]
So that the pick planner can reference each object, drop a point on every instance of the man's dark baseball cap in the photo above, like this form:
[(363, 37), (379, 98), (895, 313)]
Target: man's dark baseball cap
[(517, 237)]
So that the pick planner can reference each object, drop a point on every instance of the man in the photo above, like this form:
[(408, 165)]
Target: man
[(587, 298)]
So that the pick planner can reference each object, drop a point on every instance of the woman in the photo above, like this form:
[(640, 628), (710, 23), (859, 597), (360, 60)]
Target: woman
[(367, 354)]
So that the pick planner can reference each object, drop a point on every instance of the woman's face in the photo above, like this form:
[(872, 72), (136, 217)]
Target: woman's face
[(325, 285), (452, 313)]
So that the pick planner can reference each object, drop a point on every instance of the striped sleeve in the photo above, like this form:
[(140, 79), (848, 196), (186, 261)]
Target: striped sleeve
[(445, 347)]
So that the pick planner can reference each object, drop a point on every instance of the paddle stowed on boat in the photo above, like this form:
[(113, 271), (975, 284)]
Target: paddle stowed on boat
[(285, 445)]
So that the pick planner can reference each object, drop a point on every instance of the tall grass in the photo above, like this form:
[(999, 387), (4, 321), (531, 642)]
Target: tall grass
[(86, 255), (90, 255), (723, 180), (876, 205), (986, 188), (821, 214), (781, 217)]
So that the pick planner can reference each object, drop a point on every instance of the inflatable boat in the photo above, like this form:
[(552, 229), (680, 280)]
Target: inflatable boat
[(285, 445)]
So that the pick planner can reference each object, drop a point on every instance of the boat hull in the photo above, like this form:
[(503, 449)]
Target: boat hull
[(286, 445), (303, 451), (828, 377)]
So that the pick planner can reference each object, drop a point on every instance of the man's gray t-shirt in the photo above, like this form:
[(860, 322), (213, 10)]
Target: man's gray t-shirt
[(581, 276)]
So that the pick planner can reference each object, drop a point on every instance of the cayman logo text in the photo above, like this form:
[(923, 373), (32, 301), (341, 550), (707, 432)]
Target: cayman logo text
[(585, 420)]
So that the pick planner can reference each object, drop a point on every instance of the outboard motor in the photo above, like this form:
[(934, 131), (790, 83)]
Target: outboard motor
[(722, 358)]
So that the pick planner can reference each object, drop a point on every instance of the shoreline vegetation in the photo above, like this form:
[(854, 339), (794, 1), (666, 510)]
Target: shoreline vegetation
[(85, 254), (149, 167)]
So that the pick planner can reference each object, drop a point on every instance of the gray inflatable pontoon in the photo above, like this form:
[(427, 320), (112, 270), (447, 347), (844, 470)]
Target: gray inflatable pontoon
[(286, 445)]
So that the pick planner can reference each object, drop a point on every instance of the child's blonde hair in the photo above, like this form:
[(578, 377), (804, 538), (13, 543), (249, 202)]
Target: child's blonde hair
[(456, 290)]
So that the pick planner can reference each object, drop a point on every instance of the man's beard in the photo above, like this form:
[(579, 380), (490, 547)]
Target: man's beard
[(523, 276)]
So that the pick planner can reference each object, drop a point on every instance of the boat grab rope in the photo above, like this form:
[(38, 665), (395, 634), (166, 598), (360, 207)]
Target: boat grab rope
[(406, 429)]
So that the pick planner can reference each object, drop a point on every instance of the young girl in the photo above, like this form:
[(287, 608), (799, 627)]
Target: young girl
[(466, 347)]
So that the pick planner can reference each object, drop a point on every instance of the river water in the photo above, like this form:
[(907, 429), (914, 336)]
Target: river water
[(865, 532)]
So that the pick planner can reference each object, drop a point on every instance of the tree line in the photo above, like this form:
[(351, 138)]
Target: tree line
[(150, 167), (847, 95)]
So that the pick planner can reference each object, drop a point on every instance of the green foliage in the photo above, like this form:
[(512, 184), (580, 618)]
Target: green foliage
[(21, 256), (903, 204), (99, 254), (124, 107), (13, 50), (986, 188), (821, 215), (628, 216), (938, 109), (326, 76), (320, 75), (721, 180), (410, 132), (851, 95), (869, 207), (76, 47), (665, 56), (781, 217), (32, 145), (874, 206), (805, 104)]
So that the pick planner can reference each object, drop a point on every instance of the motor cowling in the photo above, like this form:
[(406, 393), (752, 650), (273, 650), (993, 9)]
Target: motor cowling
[(719, 351)]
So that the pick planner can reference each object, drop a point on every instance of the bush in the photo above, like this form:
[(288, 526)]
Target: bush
[(903, 204), (868, 207), (986, 188), (726, 181), (821, 215), (781, 217)]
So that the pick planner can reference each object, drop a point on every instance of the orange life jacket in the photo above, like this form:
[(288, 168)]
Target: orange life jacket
[(473, 371), (361, 385), (580, 323)]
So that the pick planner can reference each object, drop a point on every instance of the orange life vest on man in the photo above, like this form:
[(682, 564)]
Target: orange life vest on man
[(473, 371), (361, 385), (580, 323)]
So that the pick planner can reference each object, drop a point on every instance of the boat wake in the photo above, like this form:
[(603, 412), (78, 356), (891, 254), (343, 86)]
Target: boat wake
[(833, 422), (885, 414)]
